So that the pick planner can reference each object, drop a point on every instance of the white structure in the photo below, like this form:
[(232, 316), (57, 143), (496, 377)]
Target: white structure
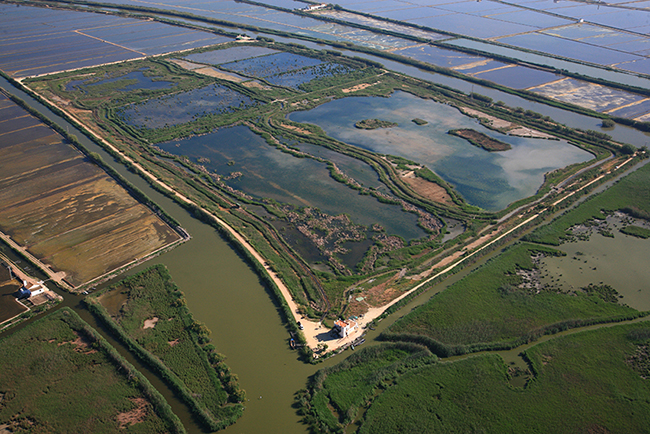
[(314, 7), (344, 328)]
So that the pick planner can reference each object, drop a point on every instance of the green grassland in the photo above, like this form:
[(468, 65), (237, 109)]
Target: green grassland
[(58, 375), (636, 231), (631, 195), (488, 309), (337, 393), (586, 382), (174, 345), (592, 381)]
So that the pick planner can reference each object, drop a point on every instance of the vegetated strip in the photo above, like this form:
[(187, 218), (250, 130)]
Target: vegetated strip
[(630, 195), (481, 140), (59, 374), (174, 346)]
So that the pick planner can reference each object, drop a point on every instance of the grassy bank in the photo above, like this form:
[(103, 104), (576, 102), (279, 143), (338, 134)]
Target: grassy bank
[(154, 323), (59, 375), (631, 195)]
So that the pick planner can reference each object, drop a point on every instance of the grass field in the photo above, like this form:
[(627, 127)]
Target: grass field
[(152, 319), (337, 393), (631, 194), (487, 308), (59, 375), (590, 382)]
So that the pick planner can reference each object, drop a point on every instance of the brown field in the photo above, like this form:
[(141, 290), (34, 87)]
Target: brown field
[(427, 189), (65, 210)]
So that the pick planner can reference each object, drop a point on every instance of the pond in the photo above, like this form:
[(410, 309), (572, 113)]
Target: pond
[(184, 107), (131, 81), (490, 180), (267, 172), (620, 261)]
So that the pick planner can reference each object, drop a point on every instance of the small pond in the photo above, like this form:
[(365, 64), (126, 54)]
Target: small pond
[(620, 261)]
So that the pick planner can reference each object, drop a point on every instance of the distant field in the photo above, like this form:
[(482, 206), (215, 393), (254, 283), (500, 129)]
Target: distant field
[(59, 375), (65, 210)]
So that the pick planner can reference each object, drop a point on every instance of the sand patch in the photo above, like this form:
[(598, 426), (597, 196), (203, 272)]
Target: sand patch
[(213, 72), (358, 87), (150, 323), (255, 85), (296, 129), (427, 189), (174, 342), (137, 415)]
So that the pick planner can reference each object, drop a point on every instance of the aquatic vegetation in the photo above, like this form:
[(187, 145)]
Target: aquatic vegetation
[(154, 323), (273, 64), (487, 309), (297, 79), (180, 108)]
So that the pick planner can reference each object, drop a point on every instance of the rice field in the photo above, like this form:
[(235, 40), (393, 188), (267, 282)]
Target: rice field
[(65, 210)]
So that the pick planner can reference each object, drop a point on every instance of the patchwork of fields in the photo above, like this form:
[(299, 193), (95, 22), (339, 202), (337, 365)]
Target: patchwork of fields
[(64, 209)]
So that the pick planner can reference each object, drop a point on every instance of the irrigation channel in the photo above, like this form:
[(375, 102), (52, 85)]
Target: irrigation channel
[(223, 292)]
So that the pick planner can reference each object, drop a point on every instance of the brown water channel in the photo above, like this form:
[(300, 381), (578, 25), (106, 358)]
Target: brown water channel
[(224, 293)]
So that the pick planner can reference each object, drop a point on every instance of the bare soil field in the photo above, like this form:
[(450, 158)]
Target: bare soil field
[(65, 210), (427, 189)]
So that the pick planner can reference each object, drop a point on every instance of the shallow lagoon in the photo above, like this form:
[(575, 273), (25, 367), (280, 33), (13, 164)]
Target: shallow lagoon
[(270, 173), (620, 262), (488, 180)]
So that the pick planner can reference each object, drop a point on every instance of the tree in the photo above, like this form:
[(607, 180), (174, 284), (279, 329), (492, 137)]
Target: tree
[(607, 123), (628, 149)]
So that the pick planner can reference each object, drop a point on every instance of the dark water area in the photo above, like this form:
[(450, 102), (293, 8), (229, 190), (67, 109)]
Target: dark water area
[(231, 54), (490, 180), (266, 172), (184, 107), (141, 82), (272, 64)]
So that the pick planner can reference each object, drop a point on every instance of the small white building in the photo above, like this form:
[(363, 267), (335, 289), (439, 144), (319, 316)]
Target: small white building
[(344, 328), (314, 7)]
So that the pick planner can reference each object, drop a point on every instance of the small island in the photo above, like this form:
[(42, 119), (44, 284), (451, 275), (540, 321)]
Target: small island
[(419, 121), (373, 124), (481, 140)]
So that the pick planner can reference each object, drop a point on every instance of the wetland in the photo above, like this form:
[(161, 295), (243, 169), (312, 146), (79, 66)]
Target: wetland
[(270, 179)]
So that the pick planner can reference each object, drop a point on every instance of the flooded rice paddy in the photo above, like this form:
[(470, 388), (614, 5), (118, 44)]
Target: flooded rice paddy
[(272, 64), (267, 172), (38, 41), (65, 210), (488, 180), (184, 107)]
